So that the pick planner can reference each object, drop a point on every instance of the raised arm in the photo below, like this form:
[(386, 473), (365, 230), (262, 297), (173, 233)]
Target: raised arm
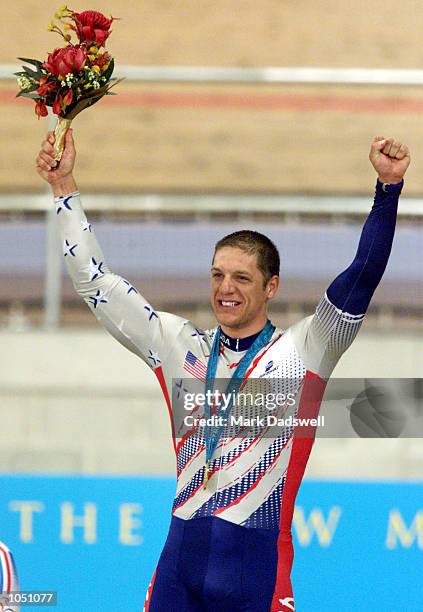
[(113, 300), (326, 335), (352, 290)]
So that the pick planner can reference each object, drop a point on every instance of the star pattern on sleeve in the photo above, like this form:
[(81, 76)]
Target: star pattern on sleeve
[(98, 298), (199, 334), (86, 226), (63, 205), (151, 312), (94, 269), (69, 250), (180, 387), (154, 358), (130, 287)]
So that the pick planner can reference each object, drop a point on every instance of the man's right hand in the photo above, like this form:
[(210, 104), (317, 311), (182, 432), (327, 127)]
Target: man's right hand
[(60, 178)]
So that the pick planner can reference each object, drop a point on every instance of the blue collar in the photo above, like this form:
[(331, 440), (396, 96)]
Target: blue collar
[(237, 344)]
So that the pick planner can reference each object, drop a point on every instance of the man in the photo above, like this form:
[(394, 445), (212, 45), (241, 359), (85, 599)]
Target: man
[(229, 547)]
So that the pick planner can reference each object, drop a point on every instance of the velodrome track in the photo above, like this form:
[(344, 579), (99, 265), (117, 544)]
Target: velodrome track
[(220, 138), (236, 138)]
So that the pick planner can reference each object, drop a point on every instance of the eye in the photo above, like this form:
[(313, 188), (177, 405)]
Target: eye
[(243, 278), (216, 274)]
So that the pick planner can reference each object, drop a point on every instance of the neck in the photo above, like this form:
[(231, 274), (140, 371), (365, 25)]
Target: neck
[(246, 331), (238, 344)]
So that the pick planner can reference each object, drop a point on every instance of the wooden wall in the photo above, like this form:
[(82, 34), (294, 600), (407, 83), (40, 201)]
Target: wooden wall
[(232, 138)]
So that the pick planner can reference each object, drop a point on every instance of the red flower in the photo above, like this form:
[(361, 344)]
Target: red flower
[(61, 102), (92, 27), (46, 87), (68, 97), (65, 60), (41, 108), (102, 60), (57, 106)]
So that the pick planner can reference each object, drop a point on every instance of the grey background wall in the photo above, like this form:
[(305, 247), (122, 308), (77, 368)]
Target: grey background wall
[(76, 401)]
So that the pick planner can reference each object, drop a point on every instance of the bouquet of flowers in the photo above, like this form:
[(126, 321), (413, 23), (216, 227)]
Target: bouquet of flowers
[(73, 77)]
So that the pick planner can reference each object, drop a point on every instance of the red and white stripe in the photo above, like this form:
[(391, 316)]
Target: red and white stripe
[(309, 407), (6, 567), (231, 472), (149, 593)]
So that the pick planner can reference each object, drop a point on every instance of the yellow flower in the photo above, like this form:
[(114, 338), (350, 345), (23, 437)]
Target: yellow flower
[(67, 37), (93, 50), (61, 12), (96, 69), (51, 26), (105, 67), (87, 86)]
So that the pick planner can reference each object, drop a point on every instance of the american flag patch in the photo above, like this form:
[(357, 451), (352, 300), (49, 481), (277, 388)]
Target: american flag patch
[(194, 366)]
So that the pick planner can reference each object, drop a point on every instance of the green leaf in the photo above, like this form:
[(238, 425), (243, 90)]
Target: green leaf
[(34, 62), (82, 105), (28, 90), (109, 70), (95, 93), (90, 99), (27, 94), (116, 82), (32, 73)]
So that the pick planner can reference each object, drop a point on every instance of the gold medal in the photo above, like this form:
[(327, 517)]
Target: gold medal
[(207, 471)]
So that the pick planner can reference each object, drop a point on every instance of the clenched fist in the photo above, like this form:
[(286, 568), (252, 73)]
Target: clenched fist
[(389, 158)]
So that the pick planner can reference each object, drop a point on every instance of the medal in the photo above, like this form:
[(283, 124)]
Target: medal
[(207, 471), (212, 437)]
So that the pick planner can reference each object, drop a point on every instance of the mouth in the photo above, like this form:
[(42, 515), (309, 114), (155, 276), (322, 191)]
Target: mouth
[(228, 304)]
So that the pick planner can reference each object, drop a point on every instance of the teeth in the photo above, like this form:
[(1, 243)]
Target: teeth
[(229, 303)]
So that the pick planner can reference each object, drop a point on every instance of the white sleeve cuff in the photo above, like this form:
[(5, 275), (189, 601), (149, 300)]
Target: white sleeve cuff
[(74, 194)]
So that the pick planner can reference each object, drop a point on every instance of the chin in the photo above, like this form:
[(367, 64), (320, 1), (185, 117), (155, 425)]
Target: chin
[(233, 320), (230, 322), (227, 319)]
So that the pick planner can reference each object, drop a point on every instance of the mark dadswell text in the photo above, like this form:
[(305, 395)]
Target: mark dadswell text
[(268, 420)]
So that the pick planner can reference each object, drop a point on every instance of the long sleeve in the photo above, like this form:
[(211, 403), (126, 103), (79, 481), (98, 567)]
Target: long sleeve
[(113, 300), (324, 337), (352, 290)]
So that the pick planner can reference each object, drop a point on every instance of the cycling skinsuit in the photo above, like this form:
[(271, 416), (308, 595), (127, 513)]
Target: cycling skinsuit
[(229, 546)]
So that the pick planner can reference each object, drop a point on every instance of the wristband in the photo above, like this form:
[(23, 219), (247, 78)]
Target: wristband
[(74, 194)]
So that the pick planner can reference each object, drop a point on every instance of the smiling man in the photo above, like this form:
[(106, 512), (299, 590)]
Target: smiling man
[(245, 276), (229, 547)]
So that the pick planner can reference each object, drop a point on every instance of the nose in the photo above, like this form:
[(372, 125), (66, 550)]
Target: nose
[(227, 286)]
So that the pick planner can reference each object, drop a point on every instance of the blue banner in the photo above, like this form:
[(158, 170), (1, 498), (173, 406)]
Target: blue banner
[(96, 541)]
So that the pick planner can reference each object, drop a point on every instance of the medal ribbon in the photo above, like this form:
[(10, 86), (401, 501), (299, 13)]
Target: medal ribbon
[(212, 439)]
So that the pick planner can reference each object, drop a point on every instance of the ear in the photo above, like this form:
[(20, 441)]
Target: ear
[(272, 287)]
